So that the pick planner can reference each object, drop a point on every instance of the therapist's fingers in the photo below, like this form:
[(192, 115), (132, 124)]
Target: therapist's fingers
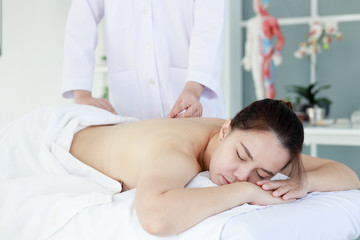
[(97, 102), (189, 112), (177, 108), (186, 106), (194, 110), (107, 105)]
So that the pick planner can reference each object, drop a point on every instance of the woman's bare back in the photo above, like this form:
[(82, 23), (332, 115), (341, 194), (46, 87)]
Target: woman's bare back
[(120, 151)]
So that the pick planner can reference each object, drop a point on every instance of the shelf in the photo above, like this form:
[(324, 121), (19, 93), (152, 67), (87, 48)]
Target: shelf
[(331, 135)]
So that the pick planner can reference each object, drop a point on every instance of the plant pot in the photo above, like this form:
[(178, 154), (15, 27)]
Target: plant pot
[(300, 109), (315, 114), (326, 107)]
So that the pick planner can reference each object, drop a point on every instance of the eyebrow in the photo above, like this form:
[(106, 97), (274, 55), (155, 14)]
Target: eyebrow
[(247, 151), (250, 156)]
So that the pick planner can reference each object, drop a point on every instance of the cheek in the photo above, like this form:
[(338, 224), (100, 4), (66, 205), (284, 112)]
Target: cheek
[(220, 161), (217, 156), (253, 178), (214, 165)]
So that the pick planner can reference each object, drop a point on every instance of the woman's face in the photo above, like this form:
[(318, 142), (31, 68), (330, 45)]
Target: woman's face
[(247, 156)]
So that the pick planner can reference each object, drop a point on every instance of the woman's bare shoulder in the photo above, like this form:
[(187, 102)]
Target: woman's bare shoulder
[(210, 122), (188, 136), (173, 124)]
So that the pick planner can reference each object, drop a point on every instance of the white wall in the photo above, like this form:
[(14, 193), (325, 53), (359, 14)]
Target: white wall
[(31, 61)]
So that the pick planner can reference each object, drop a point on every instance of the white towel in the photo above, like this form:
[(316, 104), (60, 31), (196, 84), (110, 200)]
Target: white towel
[(41, 185)]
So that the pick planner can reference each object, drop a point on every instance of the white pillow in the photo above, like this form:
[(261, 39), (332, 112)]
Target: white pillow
[(332, 215)]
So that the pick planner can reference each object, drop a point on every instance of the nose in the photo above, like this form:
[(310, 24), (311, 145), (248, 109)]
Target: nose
[(242, 174)]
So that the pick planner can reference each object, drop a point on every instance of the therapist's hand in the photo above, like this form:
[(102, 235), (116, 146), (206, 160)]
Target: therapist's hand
[(84, 97), (188, 104)]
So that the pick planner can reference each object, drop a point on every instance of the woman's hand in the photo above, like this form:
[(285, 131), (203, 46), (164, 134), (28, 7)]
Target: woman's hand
[(263, 197), (286, 189)]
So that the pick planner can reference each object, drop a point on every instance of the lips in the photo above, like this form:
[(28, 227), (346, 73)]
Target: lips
[(225, 181)]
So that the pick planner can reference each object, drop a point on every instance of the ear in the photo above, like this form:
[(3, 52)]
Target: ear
[(225, 129)]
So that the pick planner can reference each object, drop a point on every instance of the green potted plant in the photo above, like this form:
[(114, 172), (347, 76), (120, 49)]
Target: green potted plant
[(309, 93)]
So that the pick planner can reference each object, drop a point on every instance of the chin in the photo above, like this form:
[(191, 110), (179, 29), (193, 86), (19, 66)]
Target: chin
[(213, 179)]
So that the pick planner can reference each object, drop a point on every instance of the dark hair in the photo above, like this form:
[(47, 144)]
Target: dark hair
[(278, 117)]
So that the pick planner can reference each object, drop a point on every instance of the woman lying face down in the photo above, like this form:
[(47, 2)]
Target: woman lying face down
[(159, 157)]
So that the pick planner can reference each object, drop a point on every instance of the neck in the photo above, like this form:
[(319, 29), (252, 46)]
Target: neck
[(210, 148)]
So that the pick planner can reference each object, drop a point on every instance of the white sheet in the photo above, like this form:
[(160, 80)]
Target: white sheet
[(328, 216), (44, 186), (48, 194)]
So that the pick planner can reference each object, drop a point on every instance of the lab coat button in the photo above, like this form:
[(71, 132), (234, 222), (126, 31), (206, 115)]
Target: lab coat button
[(145, 11), (148, 47)]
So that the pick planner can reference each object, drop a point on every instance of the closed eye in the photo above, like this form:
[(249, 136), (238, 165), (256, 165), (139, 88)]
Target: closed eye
[(261, 177), (240, 156)]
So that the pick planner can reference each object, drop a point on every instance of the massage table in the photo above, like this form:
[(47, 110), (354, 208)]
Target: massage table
[(46, 193)]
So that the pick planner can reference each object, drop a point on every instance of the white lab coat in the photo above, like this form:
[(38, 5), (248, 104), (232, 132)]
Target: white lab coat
[(153, 48)]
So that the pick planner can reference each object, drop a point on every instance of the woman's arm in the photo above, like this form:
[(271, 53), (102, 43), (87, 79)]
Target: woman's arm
[(327, 175), (165, 207), (320, 175)]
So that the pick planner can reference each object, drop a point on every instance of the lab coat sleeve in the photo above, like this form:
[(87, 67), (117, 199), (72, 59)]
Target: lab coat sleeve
[(207, 46), (80, 42)]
